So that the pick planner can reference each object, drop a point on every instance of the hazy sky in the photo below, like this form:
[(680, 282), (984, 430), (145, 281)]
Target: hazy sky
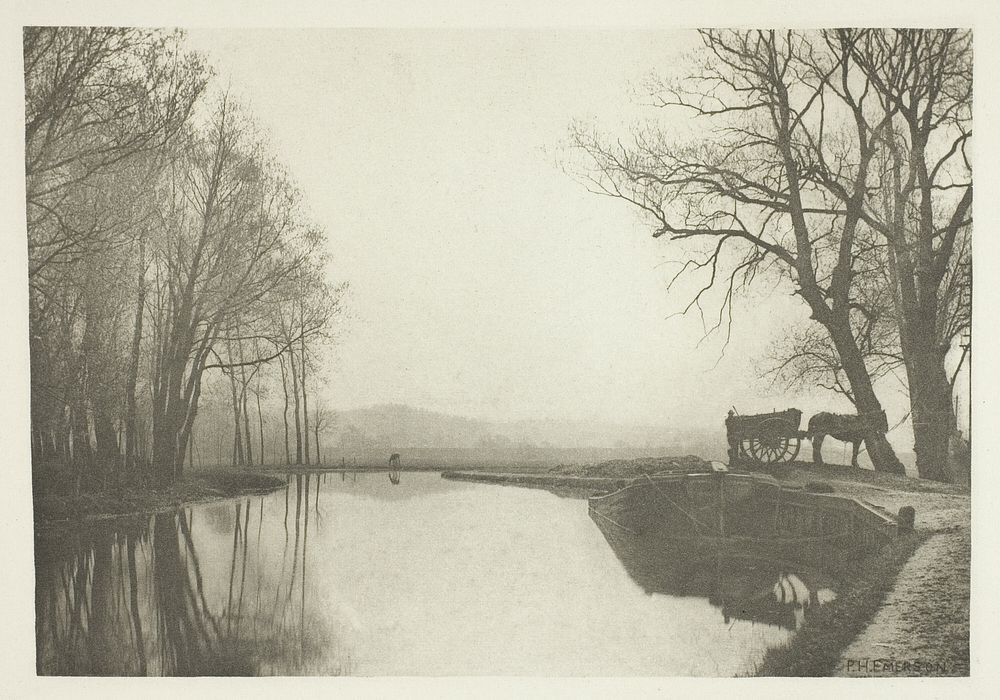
[(485, 280)]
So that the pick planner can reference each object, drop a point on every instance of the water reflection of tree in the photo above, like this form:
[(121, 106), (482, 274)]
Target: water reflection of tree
[(87, 609), (288, 637), (128, 599), (191, 640)]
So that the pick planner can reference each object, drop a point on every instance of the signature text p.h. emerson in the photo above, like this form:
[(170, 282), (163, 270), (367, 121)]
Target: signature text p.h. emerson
[(928, 667)]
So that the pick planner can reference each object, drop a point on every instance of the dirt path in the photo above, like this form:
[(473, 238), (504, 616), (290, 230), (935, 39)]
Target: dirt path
[(923, 627)]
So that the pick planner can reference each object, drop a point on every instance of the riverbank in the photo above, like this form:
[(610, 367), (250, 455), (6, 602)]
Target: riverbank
[(197, 487), (903, 610), (921, 624)]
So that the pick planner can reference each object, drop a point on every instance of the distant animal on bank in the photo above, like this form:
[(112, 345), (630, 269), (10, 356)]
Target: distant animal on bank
[(394, 469), (844, 427)]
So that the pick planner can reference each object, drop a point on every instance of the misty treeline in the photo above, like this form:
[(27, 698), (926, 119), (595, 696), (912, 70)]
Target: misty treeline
[(836, 161), (169, 254)]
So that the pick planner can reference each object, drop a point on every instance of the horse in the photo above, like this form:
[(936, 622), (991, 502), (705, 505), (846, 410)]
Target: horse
[(844, 427)]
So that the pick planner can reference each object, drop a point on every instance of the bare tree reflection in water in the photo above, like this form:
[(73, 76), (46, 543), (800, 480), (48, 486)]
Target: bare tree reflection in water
[(295, 551), (133, 587), (127, 598), (190, 640), (320, 480), (305, 549), (87, 609)]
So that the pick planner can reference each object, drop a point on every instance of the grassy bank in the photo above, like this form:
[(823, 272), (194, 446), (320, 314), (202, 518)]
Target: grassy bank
[(194, 488), (815, 650)]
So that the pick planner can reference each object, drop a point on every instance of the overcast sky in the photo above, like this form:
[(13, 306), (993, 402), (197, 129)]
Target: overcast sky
[(485, 280)]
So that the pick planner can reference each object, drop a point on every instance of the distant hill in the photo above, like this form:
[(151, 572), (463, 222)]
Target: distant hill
[(396, 426)]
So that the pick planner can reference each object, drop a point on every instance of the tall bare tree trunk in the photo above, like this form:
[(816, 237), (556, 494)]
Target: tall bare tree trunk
[(176, 391), (246, 427), (244, 384), (247, 434), (880, 452), (284, 415), (260, 421), (108, 458), (316, 429), (237, 429), (298, 423), (931, 411), (83, 455), (305, 400)]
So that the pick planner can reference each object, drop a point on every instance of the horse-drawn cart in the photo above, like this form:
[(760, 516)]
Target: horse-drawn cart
[(764, 438)]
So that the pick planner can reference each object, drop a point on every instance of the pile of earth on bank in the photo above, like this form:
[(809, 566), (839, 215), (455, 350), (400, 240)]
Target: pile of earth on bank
[(630, 468)]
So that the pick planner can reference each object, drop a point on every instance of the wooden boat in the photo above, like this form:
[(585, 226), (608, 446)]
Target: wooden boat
[(690, 504), (734, 507)]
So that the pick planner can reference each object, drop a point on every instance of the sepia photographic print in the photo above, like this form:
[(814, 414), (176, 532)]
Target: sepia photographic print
[(521, 351)]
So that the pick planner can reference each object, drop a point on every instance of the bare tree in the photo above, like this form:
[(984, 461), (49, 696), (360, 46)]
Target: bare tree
[(230, 241), (101, 107), (305, 395), (94, 97), (921, 83), (303, 321), (746, 193), (322, 419), (909, 98), (284, 415)]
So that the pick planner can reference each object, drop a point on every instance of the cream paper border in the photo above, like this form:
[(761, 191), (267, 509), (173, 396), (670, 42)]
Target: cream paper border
[(18, 679)]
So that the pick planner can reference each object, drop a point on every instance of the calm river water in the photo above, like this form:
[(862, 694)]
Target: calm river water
[(353, 574)]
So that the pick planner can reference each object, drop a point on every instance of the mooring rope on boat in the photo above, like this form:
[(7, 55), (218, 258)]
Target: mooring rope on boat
[(613, 522), (677, 506)]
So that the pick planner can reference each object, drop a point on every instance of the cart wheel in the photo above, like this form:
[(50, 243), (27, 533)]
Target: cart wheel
[(775, 441), (794, 443)]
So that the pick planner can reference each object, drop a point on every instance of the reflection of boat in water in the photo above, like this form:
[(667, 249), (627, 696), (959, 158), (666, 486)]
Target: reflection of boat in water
[(753, 547), (394, 478), (745, 583)]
